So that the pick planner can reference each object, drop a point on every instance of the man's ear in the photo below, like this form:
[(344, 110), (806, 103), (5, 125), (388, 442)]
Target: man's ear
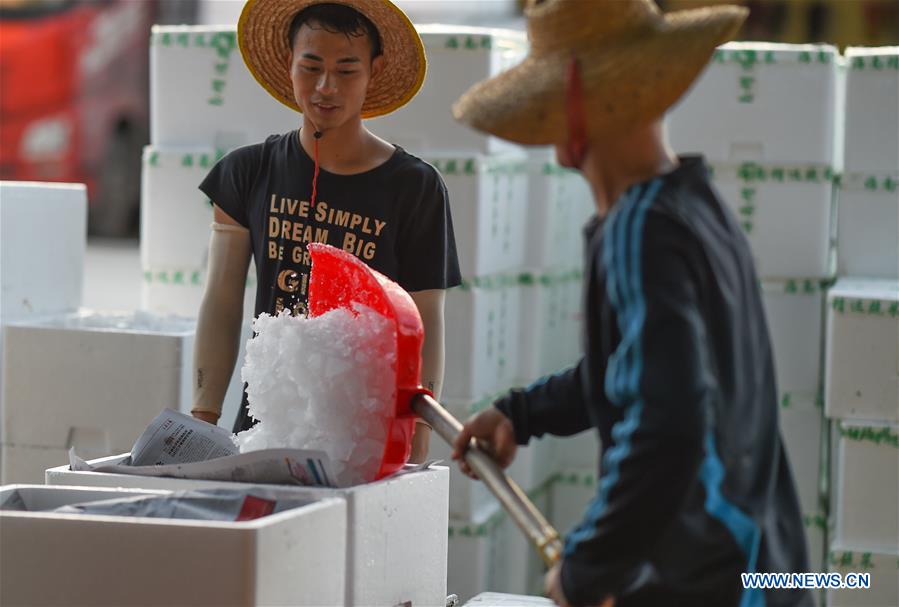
[(377, 66)]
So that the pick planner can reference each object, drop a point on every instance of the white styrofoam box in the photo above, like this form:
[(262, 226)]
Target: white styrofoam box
[(175, 215), (868, 226), (458, 57), (785, 212), (866, 511), (793, 309), (93, 380), (815, 525), (572, 490), (872, 110), (551, 324), (47, 278), (862, 353), (294, 557), (488, 198), (532, 467), (396, 539), (201, 92), (482, 338), (761, 102), (559, 204), (180, 291), (490, 553), (801, 425), (883, 568), (26, 464), (498, 599), (580, 451)]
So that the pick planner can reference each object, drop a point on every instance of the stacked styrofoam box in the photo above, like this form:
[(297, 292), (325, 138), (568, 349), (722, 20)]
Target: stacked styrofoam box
[(396, 529), (868, 223), (458, 57), (201, 92), (295, 556), (771, 148), (862, 397), (90, 381), (490, 553)]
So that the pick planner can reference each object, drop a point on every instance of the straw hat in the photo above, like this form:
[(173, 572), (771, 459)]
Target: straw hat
[(635, 61), (262, 36)]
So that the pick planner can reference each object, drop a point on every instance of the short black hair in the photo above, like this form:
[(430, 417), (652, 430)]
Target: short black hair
[(336, 19)]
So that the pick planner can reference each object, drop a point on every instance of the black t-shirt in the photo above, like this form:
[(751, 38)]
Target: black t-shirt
[(395, 217)]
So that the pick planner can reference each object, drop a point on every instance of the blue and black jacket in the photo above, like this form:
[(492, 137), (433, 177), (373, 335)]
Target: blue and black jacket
[(678, 380)]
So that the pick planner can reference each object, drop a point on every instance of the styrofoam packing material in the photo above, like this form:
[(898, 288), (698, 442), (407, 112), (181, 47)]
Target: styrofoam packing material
[(490, 553), (868, 226), (488, 198), (41, 279), (551, 324), (862, 352), (815, 525), (572, 491), (458, 57), (801, 425), (793, 309), (201, 92), (93, 380), (27, 464), (761, 102), (559, 204), (785, 212), (296, 556), (883, 568), (482, 338), (872, 110), (580, 451), (180, 291), (866, 496), (381, 517), (175, 215), (533, 466)]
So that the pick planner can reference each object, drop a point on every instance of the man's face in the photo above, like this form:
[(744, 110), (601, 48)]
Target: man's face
[(331, 74)]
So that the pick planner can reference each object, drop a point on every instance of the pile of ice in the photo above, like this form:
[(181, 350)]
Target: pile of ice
[(324, 383)]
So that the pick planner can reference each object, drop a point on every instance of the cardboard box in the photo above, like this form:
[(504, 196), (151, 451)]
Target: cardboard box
[(294, 557), (866, 499), (175, 215), (43, 234), (761, 102), (458, 57), (201, 92), (396, 542), (559, 205), (482, 339), (801, 427), (862, 355), (868, 226), (785, 212), (551, 324), (488, 196), (884, 577), (794, 310), (872, 110)]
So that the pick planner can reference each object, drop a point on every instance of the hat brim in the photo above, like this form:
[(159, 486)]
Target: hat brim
[(262, 37), (627, 83)]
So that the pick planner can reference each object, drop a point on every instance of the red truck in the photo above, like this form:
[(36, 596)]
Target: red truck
[(74, 97)]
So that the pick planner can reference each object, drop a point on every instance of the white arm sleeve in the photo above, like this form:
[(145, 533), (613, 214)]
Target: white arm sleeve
[(219, 321)]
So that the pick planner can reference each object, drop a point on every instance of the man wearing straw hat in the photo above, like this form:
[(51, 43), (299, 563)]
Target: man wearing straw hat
[(331, 181), (677, 378)]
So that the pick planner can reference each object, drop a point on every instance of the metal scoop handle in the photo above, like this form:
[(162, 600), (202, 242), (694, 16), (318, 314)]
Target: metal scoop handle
[(528, 518)]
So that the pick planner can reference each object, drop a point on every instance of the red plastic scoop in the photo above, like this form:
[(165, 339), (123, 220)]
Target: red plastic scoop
[(339, 280)]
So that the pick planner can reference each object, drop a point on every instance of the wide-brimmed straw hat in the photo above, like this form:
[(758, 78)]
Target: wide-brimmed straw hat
[(262, 36), (635, 63)]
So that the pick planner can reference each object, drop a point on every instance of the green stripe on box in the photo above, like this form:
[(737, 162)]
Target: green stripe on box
[(877, 436), (869, 307)]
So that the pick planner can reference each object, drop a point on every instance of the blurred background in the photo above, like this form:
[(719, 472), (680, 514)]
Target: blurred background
[(74, 76)]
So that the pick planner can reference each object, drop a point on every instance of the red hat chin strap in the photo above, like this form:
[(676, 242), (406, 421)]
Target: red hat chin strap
[(576, 145)]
